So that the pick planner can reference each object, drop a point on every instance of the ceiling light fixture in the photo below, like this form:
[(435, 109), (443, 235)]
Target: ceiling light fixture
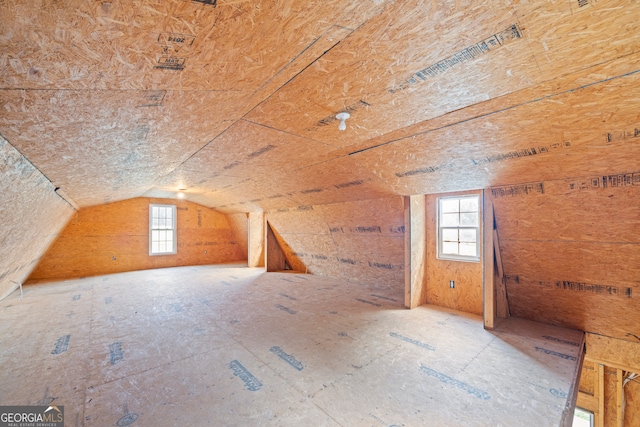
[(342, 117)]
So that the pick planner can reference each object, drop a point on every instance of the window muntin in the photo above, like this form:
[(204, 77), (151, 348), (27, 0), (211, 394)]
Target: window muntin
[(162, 229), (459, 228)]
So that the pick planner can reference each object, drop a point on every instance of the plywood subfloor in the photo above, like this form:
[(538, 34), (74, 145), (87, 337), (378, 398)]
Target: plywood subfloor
[(234, 346)]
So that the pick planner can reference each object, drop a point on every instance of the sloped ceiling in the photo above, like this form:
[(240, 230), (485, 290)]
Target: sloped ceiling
[(233, 102)]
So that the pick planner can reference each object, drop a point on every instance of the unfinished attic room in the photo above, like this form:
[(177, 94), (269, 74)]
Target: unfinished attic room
[(320, 213)]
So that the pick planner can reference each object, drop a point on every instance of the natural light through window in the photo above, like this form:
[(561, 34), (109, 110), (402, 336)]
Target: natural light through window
[(582, 418), (458, 228), (162, 229)]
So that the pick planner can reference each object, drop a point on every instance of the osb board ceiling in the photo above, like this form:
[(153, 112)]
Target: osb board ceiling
[(234, 101)]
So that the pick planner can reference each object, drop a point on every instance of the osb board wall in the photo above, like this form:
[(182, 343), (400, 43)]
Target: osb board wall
[(557, 134), (571, 251), (115, 238), (614, 355), (240, 228), (32, 216), (275, 259), (256, 240), (467, 276), (360, 241)]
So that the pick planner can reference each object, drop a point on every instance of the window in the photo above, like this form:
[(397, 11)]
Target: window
[(458, 228), (162, 229), (582, 418)]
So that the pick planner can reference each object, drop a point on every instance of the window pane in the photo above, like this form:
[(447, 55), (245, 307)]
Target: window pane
[(154, 217), (458, 222), (468, 249), (161, 229), (469, 219), (450, 248), (469, 204), (450, 220), (450, 234), (468, 236), (582, 418), (449, 205)]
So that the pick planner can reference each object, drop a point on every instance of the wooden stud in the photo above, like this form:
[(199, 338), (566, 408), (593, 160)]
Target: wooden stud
[(601, 397), (502, 304), (588, 402), (407, 251), (619, 397), (256, 257), (489, 287), (415, 234)]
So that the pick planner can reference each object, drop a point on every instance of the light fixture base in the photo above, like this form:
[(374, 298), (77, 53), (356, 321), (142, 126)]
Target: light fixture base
[(342, 117)]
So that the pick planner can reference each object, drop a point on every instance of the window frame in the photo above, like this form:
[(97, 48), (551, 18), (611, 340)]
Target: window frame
[(439, 227), (590, 414), (173, 229)]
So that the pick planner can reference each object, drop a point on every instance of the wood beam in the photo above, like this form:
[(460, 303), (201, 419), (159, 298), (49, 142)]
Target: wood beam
[(489, 289), (600, 414), (502, 303), (256, 255), (616, 353), (619, 394), (415, 223), (587, 401)]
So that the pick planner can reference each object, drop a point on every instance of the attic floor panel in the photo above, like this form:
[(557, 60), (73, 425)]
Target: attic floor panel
[(235, 346)]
